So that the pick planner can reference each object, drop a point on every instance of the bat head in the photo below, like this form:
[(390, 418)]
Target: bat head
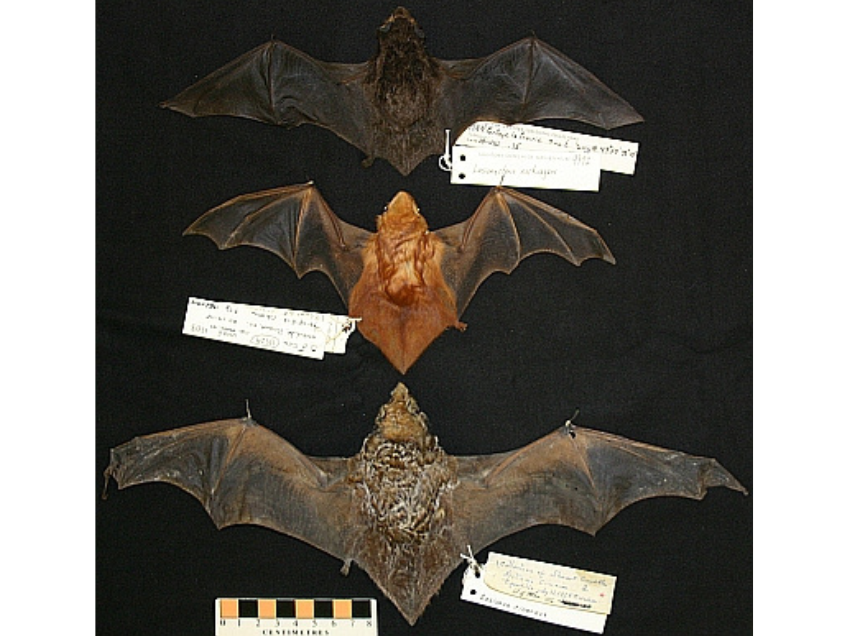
[(400, 24), (400, 66), (400, 419), (402, 219)]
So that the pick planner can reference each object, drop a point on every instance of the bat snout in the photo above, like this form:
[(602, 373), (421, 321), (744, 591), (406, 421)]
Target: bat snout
[(401, 218), (402, 201)]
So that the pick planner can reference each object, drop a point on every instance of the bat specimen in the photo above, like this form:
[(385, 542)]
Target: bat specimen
[(406, 283), (398, 104), (402, 508)]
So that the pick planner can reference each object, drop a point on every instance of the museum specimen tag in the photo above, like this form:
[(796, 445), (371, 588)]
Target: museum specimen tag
[(301, 333), (524, 155), (542, 591), (615, 155), (525, 168), (271, 616)]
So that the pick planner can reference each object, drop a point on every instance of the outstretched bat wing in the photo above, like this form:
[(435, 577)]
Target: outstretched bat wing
[(527, 81), (277, 84), (296, 224), (243, 473), (506, 228), (574, 477)]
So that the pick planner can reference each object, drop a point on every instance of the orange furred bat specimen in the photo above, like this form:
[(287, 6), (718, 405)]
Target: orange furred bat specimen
[(406, 283), (398, 104), (403, 509)]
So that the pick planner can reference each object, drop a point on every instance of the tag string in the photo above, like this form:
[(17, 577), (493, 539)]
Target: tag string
[(445, 160), (472, 562), (348, 324)]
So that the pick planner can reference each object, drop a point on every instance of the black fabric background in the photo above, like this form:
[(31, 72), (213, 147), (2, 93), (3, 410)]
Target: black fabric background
[(657, 348)]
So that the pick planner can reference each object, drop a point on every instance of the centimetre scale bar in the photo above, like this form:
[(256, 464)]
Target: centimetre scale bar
[(295, 616)]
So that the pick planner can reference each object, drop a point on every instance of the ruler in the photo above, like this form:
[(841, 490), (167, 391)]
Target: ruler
[(295, 617)]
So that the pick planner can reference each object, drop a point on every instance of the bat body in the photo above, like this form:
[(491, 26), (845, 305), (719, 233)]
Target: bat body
[(406, 283), (398, 104), (402, 508)]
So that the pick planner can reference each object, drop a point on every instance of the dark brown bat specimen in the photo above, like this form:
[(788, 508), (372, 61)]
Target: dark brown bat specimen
[(398, 104), (402, 508), (406, 283)]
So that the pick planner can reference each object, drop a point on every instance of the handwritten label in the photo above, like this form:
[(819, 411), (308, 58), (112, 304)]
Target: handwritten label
[(615, 155), (290, 331), (525, 168), (551, 584), (542, 591)]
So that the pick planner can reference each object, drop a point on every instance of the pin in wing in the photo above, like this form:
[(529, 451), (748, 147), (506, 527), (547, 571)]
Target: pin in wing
[(397, 105), (406, 283)]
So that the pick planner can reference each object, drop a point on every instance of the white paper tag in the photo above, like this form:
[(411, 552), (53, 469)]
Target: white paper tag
[(291, 331), (525, 168), (615, 155), (542, 591)]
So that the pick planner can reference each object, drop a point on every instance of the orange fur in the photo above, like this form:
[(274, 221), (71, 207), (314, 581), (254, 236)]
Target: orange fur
[(402, 297)]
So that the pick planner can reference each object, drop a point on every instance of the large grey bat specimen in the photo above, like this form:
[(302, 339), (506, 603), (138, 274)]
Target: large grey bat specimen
[(398, 104), (402, 508)]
